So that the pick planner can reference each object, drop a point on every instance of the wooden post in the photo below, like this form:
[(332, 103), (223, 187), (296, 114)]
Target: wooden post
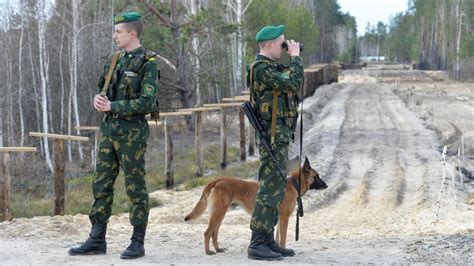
[(242, 134), (223, 139), (59, 165), (94, 152), (5, 180), (198, 142), (58, 176), (251, 141), (168, 155)]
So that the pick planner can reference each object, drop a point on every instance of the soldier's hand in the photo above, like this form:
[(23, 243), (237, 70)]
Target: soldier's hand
[(293, 48), (101, 103)]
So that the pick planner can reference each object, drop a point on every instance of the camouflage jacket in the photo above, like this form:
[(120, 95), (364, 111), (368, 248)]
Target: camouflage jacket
[(133, 92), (268, 76)]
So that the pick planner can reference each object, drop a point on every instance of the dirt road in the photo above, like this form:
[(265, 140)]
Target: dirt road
[(381, 161)]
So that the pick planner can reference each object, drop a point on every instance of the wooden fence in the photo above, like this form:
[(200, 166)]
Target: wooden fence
[(315, 76)]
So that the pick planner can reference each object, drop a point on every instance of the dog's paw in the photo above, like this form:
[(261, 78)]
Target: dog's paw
[(221, 250), (208, 252)]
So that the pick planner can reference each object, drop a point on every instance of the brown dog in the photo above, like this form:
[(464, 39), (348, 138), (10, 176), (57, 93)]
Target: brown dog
[(223, 192)]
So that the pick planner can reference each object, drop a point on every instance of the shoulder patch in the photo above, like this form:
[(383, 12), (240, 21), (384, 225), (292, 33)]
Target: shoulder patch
[(149, 55), (285, 75)]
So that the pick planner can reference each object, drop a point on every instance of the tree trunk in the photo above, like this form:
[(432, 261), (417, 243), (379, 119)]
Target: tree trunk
[(236, 11), (20, 85), (185, 91), (9, 98), (457, 70), (1, 124), (35, 87), (194, 7), (61, 75), (44, 100), (74, 50)]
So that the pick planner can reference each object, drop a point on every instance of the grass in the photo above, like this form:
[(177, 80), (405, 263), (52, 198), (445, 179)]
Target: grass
[(38, 200), (244, 170), (79, 199)]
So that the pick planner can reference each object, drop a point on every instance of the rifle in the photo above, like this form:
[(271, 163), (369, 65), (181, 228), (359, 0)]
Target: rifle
[(256, 123)]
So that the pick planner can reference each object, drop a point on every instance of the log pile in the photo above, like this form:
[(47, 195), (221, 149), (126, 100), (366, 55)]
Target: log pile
[(317, 75)]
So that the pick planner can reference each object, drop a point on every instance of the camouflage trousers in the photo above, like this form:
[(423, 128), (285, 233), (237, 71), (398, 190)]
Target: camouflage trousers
[(112, 155), (271, 189)]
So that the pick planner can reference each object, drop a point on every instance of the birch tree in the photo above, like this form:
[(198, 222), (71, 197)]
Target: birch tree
[(459, 16), (20, 79), (235, 13), (41, 15), (193, 7)]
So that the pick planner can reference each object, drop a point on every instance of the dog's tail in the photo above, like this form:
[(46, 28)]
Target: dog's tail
[(202, 203)]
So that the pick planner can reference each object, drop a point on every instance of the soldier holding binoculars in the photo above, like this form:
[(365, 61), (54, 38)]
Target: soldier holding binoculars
[(273, 95)]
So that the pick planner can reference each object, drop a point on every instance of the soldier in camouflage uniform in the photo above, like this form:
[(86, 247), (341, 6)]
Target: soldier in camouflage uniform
[(132, 93), (274, 97)]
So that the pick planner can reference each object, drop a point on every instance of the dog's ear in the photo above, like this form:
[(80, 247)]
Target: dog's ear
[(306, 166)]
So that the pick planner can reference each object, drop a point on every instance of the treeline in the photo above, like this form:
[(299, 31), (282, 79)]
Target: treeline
[(53, 53), (436, 34)]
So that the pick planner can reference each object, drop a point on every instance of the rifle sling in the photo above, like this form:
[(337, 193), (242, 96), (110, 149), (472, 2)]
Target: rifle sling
[(274, 115), (103, 92)]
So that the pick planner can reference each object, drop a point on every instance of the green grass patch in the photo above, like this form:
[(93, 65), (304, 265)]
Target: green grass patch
[(38, 200), (245, 170)]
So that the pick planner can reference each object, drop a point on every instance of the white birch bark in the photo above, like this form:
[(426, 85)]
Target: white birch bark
[(9, 97), (74, 64), (193, 7), (35, 87), (61, 76), (9, 74), (20, 85), (43, 77), (237, 42)]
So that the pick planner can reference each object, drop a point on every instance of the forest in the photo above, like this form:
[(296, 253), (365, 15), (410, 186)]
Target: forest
[(53, 51)]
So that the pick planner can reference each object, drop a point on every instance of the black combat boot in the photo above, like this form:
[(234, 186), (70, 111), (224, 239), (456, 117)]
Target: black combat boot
[(273, 245), (258, 249), (95, 244), (136, 249)]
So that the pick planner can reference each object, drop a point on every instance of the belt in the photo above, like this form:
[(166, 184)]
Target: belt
[(136, 117)]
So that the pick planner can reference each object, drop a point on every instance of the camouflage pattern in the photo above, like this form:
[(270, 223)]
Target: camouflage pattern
[(133, 92), (269, 76), (271, 189), (113, 154), (124, 133)]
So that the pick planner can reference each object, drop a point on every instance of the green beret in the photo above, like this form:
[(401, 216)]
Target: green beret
[(269, 33), (127, 17)]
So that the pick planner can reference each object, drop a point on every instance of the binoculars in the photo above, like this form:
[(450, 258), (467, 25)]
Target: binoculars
[(285, 46)]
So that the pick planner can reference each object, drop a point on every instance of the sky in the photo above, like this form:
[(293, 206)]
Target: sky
[(372, 11)]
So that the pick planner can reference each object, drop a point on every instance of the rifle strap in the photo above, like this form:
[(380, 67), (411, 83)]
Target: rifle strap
[(103, 92), (300, 203), (274, 115), (299, 212), (252, 100), (297, 230)]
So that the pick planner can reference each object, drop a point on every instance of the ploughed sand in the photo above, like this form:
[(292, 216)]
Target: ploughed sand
[(375, 138)]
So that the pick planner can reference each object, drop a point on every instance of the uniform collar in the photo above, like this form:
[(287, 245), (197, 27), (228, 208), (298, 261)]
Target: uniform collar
[(262, 57), (133, 53)]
